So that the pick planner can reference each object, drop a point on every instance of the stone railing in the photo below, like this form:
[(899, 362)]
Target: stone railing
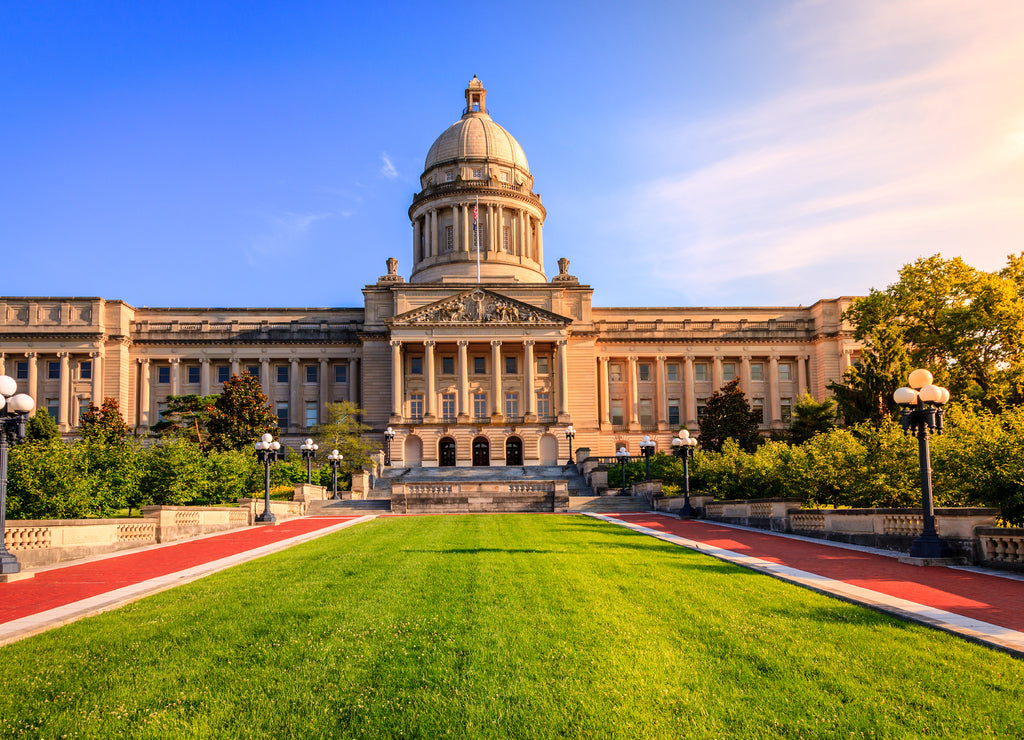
[(473, 496), (44, 542), (1002, 546), (280, 509), (307, 492), (182, 522)]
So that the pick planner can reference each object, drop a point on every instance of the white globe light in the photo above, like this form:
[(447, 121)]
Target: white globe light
[(268, 437), (684, 434), (676, 442), (692, 442), (905, 396), (275, 445), (309, 442), (8, 385), (920, 378), (22, 403), (316, 447), (945, 395), (3, 402), (258, 445), (931, 394), (334, 452)]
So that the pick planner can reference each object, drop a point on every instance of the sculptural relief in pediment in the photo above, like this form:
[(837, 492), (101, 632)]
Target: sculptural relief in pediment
[(480, 307)]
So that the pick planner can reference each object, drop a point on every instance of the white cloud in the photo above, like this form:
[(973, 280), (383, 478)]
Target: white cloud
[(387, 169), (282, 233)]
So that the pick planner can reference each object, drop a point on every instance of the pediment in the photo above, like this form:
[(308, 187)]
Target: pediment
[(476, 307)]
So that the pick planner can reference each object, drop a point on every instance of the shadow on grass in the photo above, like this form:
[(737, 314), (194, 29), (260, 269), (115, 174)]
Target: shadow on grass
[(476, 550)]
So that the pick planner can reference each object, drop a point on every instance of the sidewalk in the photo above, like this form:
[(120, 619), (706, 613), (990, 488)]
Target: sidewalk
[(65, 593), (986, 607)]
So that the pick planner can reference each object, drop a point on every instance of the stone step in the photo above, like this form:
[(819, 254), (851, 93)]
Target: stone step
[(346, 507), (608, 504)]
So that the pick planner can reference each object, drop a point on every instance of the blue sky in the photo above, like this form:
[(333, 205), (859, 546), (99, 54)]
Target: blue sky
[(688, 153)]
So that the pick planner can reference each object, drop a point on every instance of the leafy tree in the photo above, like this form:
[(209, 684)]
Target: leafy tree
[(240, 415), (727, 415), (344, 431), (43, 483), (187, 416), (176, 474), (41, 427), (811, 417), (103, 424)]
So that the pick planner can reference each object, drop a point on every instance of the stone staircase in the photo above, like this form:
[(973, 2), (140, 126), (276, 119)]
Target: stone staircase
[(576, 484), (608, 504), (332, 507)]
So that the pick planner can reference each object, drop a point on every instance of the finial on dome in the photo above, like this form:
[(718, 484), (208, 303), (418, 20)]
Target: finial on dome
[(475, 97)]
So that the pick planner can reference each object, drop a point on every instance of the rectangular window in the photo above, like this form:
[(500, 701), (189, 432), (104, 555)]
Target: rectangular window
[(163, 375), (282, 373), (449, 238), (511, 404), (416, 366), (282, 414), (644, 371), (757, 371), (510, 366), (449, 177), (22, 370), (673, 413), (786, 410), (53, 370), (312, 373), (615, 372), (85, 370), (448, 365), (673, 372), (53, 407), (416, 405), (504, 238), (702, 409), (479, 365), (311, 414), (341, 373), (700, 371), (646, 413), (223, 373), (83, 406), (161, 410), (728, 371), (784, 371), (193, 374), (542, 365), (757, 406), (617, 411), (543, 404), (448, 406), (254, 371), (480, 405)]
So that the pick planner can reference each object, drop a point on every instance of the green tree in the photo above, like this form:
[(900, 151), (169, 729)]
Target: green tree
[(727, 415), (103, 424), (187, 416), (811, 417), (176, 473), (240, 415), (41, 427), (44, 482), (344, 431)]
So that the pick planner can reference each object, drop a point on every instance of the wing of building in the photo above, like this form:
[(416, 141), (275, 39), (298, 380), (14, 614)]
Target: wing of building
[(479, 358)]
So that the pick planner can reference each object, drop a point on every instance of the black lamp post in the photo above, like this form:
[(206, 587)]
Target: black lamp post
[(922, 406), (683, 446), (308, 453), (335, 459), (623, 456), (266, 451), (570, 434), (647, 449), (14, 410), (389, 435)]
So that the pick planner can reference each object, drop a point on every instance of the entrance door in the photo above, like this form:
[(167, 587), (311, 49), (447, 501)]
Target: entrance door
[(481, 451), (446, 450), (513, 451)]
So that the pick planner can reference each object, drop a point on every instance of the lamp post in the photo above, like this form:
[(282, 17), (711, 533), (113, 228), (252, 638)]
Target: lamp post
[(14, 410), (308, 453), (335, 459), (922, 406), (389, 434), (266, 450), (647, 449), (683, 446), (570, 434), (623, 456)]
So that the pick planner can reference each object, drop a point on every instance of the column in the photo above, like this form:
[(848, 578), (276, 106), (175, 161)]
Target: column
[(801, 375), (144, 390), (496, 411), (467, 228), (396, 379), (33, 376), (499, 237), (265, 375), (661, 415), (464, 408), (530, 404), (633, 398), (773, 391), (204, 376), (3, 366), (845, 361), (521, 246), (97, 377), (175, 376), (690, 391), (540, 243), (716, 373), (603, 396), (429, 413), (745, 375), (351, 375), (65, 391), (294, 396), (491, 230), (562, 347), (325, 390), (433, 234), (417, 254), (234, 365)]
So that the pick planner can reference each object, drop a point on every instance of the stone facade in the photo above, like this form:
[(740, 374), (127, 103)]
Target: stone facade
[(465, 369)]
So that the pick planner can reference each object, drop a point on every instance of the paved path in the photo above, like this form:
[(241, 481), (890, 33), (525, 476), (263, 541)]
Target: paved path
[(984, 607), (62, 594)]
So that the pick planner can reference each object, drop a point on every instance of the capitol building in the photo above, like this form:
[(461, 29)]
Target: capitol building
[(476, 357)]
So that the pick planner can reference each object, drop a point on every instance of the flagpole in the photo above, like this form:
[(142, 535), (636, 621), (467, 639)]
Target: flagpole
[(476, 235)]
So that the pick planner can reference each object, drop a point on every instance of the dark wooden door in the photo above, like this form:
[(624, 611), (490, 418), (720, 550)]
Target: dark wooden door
[(447, 453), (481, 452), (513, 451)]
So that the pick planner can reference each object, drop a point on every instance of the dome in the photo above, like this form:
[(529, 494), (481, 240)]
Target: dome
[(476, 137)]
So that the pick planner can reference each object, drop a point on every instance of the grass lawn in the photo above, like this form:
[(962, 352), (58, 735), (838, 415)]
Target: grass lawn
[(524, 626)]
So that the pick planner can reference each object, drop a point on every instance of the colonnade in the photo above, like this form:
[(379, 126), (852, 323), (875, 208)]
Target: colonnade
[(65, 381), (524, 230)]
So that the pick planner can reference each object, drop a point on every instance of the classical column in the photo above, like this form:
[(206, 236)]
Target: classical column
[(97, 377), (745, 375), (463, 380), (634, 395), (492, 235), (521, 241), (531, 393), (845, 360), (64, 395), (351, 375), (456, 234), (433, 233), (467, 229), (603, 396), (234, 365), (717, 381), (690, 391), (204, 376), (801, 374), (429, 414), (265, 375), (540, 243), (33, 376), (175, 376), (562, 347), (3, 365), (661, 415), (294, 396), (773, 391), (416, 240), (496, 411), (500, 236), (144, 389), (396, 379), (325, 390)]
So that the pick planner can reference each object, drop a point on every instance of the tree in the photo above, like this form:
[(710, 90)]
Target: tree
[(240, 415), (727, 415), (344, 431), (811, 417), (103, 424), (187, 416), (41, 427)]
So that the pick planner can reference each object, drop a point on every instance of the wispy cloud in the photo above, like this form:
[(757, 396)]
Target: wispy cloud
[(282, 233), (898, 133), (387, 169)]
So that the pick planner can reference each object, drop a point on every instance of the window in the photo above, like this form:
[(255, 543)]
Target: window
[(479, 365), (311, 414), (673, 413), (449, 177), (253, 370), (223, 373), (282, 373), (757, 406), (504, 177), (617, 411), (193, 374), (341, 373), (22, 371), (416, 405), (449, 238), (53, 407), (504, 239), (416, 366), (53, 370), (644, 371), (700, 371), (646, 413), (312, 374), (702, 409), (448, 366), (85, 370), (282, 414), (163, 375), (542, 365), (673, 372), (757, 371), (161, 410), (480, 405), (786, 410), (448, 406), (510, 366), (478, 174), (615, 372), (543, 404), (511, 404), (83, 406), (728, 371), (785, 371), (481, 231)]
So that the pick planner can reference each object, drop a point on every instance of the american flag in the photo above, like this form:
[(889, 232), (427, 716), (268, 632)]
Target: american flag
[(474, 217)]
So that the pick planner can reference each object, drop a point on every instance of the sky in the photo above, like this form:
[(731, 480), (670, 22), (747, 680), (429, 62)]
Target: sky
[(728, 153)]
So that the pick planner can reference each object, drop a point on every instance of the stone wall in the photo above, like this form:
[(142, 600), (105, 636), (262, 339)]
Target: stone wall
[(469, 497)]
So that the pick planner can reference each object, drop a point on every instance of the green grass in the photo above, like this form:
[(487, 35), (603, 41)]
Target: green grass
[(500, 626)]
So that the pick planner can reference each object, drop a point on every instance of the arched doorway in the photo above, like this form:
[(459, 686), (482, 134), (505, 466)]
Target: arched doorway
[(513, 451), (481, 451), (413, 452), (446, 452), (548, 450)]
